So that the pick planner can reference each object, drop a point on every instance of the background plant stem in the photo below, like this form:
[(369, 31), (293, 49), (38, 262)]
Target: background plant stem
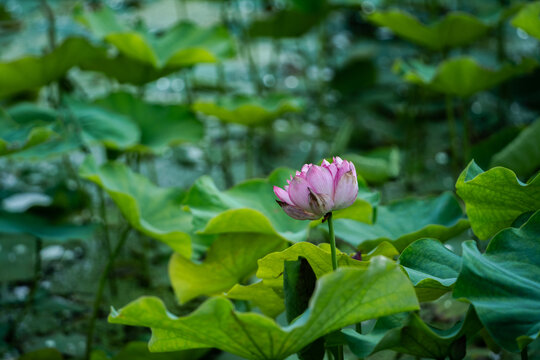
[(99, 293)]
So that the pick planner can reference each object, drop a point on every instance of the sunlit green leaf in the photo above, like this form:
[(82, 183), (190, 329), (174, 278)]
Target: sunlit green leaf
[(33, 72), (268, 293), (271, 266), (405, 221), (230, 260), (249, 110), (455, 29), (495, 198), (528, 19), (266, 298), (185, 44), (161, 126), (154, 211), (460, 76), (504, 284), (522, 155), (432, 268), (408, 334), (249, 207), (353, 294)]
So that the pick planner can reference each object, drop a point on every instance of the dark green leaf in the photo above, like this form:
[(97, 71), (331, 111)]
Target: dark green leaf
[(455, 29), (432, 268), (161, 126), (522, 155), (495, 198), (504, 284), (460, 76), (407, 333), (298, 286), (405, 221)]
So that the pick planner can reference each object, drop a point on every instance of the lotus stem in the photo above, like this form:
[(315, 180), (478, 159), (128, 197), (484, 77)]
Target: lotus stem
[(452, 131), (99, 294), (524, 354), (332, 241), (334, 264)]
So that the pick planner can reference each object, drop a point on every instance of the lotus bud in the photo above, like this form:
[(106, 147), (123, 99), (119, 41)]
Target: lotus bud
[(318, 190)]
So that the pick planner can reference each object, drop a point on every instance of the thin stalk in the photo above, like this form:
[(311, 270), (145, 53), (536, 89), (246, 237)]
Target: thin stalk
[(467, 131), (524, 354), (250, 153), (99, 294), (330, 220), (32, 294), (452, 130), (332, 241), (226, 161), (106, 236), (51, 31)]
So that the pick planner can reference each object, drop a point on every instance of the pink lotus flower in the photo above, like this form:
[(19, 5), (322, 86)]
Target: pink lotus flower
[(318, 190)]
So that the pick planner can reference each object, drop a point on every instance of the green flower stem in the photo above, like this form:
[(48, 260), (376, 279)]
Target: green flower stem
[(524, 354), (334, 265), (99, 294), (332, 241)]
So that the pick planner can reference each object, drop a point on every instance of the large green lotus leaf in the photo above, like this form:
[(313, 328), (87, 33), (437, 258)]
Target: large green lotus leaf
[(33, 72), (504, 284), (14, 138), (249, 110), (344, 297), (408, 334), (23, 223), (432, 268), (125, 69), (249, 207), (455, 29), (271, 266), (55, 147), (99, 125), (528, 19), (230, 259), (138, 350), (185, 44), (271, 269), (161, 126), (460, 76), (154, 211), (26, 113), (285, 24), (377, 166), (523, 153), (495, 198), (268, 299), (405, 221)]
